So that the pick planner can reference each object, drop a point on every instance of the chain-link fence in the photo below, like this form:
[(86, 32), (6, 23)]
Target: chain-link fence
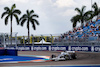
[(75, 40), (5, 39)]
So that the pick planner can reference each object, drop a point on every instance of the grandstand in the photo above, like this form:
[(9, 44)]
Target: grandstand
[(89, 34)]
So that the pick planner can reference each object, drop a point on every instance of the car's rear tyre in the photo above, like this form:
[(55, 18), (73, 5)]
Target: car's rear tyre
[(53, 56), (67, 57), (73, 56)]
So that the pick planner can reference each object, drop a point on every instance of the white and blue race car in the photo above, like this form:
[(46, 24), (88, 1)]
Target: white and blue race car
[(66, 55)]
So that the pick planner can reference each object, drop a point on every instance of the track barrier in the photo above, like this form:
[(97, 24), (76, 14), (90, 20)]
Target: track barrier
[(57, 48), (9, 52)]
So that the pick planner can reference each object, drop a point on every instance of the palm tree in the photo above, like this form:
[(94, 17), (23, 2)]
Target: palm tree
[(10, 13), (96, 11), (74, 20), (81, 16), (29, 17)]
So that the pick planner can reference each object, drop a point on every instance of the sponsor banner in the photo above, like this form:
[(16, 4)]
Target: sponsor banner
[(97, 48), (40, 48), (24, 48), (58, 48), (10, 48), (80, 48), (20, 48)]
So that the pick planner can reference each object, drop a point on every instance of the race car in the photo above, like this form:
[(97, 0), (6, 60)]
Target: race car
[(66, 55)]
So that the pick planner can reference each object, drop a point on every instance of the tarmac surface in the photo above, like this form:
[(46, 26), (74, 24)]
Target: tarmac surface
[(83, 58)]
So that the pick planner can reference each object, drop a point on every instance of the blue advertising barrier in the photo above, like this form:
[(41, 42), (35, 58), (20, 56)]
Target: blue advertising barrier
[(10, 48), (40, 48), (21, 48), (57, 48), (2, 52), (97, 48), (80, 48), (12, 52), (49, 48)]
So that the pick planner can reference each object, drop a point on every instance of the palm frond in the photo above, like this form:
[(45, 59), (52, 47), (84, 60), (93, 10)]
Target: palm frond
[(7, 8), (28, 12), (6, 20), (75, 19), (22, 22), (3, 14), (88, 13), (78, 10), (33, 26), (74, 24), (17, 11), (35, 16), (17, 19), (35, 21), (32, 11), (23, 17), (96, 9), (83, 8), (13, 6)]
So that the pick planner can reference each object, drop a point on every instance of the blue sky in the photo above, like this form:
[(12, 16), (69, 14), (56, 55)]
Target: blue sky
[(54, 15)]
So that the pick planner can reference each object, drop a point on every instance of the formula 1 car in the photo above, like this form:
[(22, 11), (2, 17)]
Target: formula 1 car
[(67, 55)]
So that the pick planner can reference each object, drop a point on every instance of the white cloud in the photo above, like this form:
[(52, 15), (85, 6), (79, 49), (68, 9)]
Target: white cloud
[(65, 3), (5, 2), (21, 1), (69, 12)]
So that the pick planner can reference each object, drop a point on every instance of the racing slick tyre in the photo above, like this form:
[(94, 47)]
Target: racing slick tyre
[(73, 56), (53, 56), (67, 57)]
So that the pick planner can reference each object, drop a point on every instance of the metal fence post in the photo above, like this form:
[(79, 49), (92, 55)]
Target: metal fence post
[(51, 39), (42, 40), (32, 42), (24, 40), (16, 40), (4, 40)]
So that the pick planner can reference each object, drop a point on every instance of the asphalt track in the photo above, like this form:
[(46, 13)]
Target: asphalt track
[(83, 58)]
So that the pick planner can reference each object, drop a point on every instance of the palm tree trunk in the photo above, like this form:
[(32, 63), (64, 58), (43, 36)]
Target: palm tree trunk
[(28, 35), (11, 32), (82, 22)]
